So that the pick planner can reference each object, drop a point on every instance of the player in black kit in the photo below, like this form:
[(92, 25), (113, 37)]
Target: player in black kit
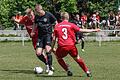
[(44, 22), (79, 35)]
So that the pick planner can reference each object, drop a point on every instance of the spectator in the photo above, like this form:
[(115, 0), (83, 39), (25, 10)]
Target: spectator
[(94, 21), (117, 23), (84, 19), (111, 21), (18, 17)]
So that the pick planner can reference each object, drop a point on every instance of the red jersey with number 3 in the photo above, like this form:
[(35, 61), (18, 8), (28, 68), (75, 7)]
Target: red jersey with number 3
[(65, 32)]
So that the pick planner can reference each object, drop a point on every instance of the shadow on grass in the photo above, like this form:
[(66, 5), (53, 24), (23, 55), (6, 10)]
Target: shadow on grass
[(56, 76), (19, 71), (43, 74), (64, 76)]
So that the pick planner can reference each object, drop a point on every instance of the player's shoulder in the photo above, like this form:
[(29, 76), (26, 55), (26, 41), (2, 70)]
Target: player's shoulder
[(25, 16), (71, 23), (48, 13)]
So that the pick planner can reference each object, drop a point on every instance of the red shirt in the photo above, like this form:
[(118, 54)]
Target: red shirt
[(84, 18), (18, 17), (65, 32), (28, 22), (98, 18)]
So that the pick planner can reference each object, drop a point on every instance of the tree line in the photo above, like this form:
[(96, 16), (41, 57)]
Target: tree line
[(9, 8)]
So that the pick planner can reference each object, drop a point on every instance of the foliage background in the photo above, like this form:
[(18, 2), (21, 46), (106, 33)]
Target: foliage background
[(8, 8)]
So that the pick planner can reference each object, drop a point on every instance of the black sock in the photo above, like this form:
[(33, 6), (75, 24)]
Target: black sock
[(49, 56), (42, 58), (82, 44)]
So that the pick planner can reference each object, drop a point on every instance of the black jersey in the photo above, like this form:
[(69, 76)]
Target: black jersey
[(44, 23), (78, 23), (112, 20)]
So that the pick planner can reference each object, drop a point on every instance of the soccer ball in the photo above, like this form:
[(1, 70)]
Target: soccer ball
[(38, 70)]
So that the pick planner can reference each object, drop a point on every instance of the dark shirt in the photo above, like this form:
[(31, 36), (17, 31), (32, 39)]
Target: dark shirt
[(78, 23), (112, 20), (44, 23)]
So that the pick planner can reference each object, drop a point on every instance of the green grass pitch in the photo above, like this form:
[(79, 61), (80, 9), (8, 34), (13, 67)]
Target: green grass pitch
[(17, 62)]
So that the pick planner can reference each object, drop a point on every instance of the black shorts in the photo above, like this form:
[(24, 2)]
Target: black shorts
[(79, 35), (44, 40)]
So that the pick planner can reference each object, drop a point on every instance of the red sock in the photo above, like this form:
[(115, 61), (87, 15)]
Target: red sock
[(82, 64), (63, 64)]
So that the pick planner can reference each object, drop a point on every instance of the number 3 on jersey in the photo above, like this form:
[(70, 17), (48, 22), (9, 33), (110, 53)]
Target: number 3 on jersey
[(65, 36)]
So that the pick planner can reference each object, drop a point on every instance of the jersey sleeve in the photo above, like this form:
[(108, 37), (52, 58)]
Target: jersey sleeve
[(52, 18), (22, 21), (75, 28), (55, 31)]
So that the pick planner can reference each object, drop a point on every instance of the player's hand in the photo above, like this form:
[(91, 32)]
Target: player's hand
[(53, 50), (32, 34)]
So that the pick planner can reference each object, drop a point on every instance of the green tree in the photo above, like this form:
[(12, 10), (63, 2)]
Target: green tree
[(69, 6), (103, 7)]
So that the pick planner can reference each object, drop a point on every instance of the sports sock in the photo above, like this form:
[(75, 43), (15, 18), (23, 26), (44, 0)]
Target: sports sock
[(49, 57), (82, 64), (42, 58), (82, 44), (63, 64)]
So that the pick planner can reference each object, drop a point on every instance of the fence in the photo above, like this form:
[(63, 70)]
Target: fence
[(104, 35), (14, 35), (22, 35)]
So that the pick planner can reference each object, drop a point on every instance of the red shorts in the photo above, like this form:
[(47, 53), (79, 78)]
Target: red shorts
[(34, 40), (63, 51)]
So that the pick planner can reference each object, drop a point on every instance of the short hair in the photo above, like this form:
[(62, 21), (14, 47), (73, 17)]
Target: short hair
[(28, 10), (38, 6), (65, 15)]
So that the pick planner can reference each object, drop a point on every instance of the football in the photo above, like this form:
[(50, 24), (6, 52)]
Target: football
[(38, 70)]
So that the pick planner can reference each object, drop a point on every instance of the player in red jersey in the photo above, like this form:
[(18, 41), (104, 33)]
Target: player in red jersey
[(65, 33), (27, 21)]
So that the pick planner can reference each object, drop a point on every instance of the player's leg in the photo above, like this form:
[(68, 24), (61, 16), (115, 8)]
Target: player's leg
[(39, 51), (82, 44), (77, 37), (60, 54), (74, 54), (47, 43), (64, 66), (82, 40)]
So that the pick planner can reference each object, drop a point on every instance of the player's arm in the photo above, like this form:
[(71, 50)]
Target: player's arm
[(33, 29), (53, 42), (13, 19), (53, 20), (53, 49), (84, 30), (90, 30), (21, 21)]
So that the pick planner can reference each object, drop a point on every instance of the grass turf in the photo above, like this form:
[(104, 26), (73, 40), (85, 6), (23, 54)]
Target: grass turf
[(17, 62)]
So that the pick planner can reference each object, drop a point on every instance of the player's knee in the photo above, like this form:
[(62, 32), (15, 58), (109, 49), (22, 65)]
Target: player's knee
[(48, 48), (38, 52)]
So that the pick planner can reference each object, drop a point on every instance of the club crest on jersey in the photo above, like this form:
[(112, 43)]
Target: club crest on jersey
[(45, 19)]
